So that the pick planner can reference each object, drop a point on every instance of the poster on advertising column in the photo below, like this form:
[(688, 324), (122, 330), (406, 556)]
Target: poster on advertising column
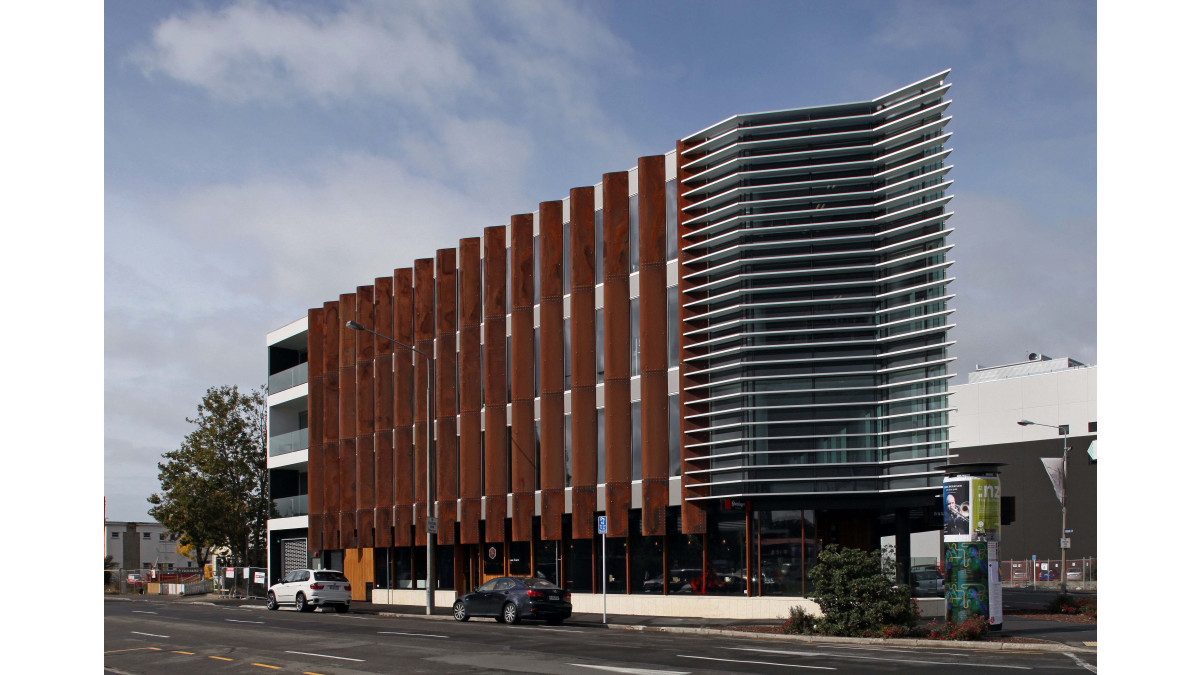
[(956, 505), (985, 509)]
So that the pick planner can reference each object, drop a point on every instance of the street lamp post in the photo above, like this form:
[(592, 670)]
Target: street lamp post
[(1062, 542), (354, 325)]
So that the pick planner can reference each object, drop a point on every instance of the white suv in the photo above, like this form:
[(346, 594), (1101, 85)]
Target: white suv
[(309, 589)]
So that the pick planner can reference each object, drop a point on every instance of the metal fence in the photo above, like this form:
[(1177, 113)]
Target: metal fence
[(241, 582), (1080, 573), (140, 581)]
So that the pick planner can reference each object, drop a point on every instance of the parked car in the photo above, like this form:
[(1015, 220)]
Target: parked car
[(1047, 575), (927, 583), (1074, 574), (514, 599), (310, 589)]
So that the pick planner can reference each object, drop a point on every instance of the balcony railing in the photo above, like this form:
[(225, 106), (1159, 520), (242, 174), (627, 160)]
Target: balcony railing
[(291, 506), (286, 379), (289, 442)]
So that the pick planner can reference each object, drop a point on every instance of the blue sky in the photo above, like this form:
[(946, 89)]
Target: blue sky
[(262, 157)]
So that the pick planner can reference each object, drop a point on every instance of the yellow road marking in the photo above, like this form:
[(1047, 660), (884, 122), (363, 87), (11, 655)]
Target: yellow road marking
[(220, 658), (308, 673), (135, 649), (188, 653), (263, 665), (1089, 644)]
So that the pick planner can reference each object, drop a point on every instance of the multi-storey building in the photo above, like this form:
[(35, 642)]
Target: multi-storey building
[(736, 352), (142, 545)]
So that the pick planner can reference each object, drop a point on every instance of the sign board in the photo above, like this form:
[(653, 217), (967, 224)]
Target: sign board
[(431, 525), (260, 577), (602, 524), (228, 572), (1034, 558), (246, 573), (1065, 542)]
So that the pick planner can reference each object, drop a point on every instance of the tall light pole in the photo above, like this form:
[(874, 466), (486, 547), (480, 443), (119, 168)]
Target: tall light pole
[(1062, 542), (354, 325)]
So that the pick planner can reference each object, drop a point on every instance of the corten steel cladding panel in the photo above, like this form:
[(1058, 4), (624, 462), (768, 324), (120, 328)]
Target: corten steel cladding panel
[(583, 362), (364, 418), (617, 435), (523, 447), (332, 486), (470, 390), (404, 393), (652, 329), (423, 334), (316, 446), (550, 358), (495, 464), (693, 457), (347, 435), (385, 418), (445, 362)]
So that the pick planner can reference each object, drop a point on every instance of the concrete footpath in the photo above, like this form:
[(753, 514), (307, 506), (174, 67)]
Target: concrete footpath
[(1043, 634)]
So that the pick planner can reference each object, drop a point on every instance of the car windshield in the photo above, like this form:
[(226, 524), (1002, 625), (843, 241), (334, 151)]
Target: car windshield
[(330, 576), (538, 583)]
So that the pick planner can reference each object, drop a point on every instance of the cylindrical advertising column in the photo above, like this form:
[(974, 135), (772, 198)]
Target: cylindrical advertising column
[(971, 543)]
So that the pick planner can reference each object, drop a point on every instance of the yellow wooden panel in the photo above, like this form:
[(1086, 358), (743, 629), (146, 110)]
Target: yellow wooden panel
[(360, 570)]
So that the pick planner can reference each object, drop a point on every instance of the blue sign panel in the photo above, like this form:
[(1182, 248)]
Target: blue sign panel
[(602, 524)]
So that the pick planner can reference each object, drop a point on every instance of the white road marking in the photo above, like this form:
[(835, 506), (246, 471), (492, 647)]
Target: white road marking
[(150, 634), (631, 671), (139, 611), (241, 621), (327, 656), (1081, 663), (755, 663), (871, 658), (902, 651), (558, 630), (385, 632)]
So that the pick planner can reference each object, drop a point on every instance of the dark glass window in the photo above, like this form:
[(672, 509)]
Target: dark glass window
[(633, 233), (645, 558), (635, 436), (614, 550), (578, 561), (685, 556), (673, 433), (599, 246), (672, 220), (635, 338), (672, 326)]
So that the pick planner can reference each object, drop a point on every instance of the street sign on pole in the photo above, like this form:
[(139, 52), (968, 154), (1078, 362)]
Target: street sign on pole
[(1065, 542), (431, 525), (602, 524)]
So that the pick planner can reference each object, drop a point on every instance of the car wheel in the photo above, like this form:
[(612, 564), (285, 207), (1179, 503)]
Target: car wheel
[(510, 615), (300, 605), (272, 604), (343, 608), (460, 612)]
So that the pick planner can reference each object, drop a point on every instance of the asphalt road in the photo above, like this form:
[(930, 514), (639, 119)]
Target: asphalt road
[(185, 638)]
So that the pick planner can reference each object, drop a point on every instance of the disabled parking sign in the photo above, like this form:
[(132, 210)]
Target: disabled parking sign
[(602, 524)]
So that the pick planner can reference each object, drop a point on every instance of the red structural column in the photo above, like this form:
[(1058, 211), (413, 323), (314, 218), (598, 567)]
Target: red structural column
[(693, 456), (470, 391), (385, 414), (523, 440), (495, 418), (330, 427), (364, 418), (403, 393), (617, 436), (445, 361), (423, 334), (583, 362), (347, 432), (550, 357), (652, 329), (316, 447)]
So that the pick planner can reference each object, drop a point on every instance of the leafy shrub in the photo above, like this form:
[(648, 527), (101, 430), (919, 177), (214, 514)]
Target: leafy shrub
[(857, 595), (973, 628), (799, 622), (1066, 604)]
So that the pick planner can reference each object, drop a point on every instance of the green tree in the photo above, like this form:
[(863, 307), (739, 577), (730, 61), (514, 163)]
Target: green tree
[(214, 487), (857, 593)]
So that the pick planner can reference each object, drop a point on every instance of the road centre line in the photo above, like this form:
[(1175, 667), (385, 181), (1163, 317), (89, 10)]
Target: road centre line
[(263, 665), (150, 634), (631, 671), (540, 628), (872, 658), (755, 663), (388, 632), (142, 611), (220, 658), (327, 656), (134, 649), (176, 651), (241, 621), (902, 651)]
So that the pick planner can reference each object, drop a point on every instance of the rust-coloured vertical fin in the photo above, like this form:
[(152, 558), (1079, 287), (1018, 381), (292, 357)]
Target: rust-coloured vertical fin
[(652, 323), (470, 390), (347, 433), (583, 362), (385, 414), (403, 392), (331, 427), (364, 417), (693, 456), (523, 448), (423, 334), (617, 436), (445, 362), (495, 418), (550, 356), (316, 447)]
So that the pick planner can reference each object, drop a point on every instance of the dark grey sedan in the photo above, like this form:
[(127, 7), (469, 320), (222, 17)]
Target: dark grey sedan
[(514, 599)]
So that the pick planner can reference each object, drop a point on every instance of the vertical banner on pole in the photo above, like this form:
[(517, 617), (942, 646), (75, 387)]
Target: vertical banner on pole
[(971, 544)]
